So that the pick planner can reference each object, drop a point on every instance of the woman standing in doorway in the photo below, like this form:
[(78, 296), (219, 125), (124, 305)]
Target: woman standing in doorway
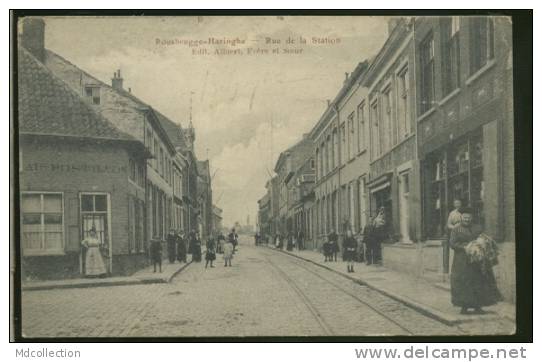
[(94, 263)]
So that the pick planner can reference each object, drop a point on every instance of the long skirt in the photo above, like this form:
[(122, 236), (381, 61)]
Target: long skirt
[(210, 255), (94, 263), (471, 285)]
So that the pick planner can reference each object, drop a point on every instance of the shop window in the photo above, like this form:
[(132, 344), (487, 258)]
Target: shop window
[(42, 226), (455, 173)]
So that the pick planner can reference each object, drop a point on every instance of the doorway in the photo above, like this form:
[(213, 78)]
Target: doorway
[(404, 206), (95, 212)]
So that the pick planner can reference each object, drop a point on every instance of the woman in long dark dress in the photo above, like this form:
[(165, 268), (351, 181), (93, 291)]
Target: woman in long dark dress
[(473, 285)]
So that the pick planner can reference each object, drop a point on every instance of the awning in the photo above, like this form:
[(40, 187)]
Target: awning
[(380, 187)]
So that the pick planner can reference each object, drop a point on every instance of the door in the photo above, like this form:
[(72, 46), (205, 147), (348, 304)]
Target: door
[(404, 205), (95, 212)]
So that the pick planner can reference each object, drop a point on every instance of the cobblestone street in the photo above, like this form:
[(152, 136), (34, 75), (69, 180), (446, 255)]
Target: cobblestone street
[(265, 293)]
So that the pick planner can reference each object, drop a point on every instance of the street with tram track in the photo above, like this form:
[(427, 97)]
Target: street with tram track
[(264, 293)]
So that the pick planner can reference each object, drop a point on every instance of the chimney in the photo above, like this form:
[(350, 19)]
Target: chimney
[(328, 102), (33, 37), (116, 81), (346, 77)]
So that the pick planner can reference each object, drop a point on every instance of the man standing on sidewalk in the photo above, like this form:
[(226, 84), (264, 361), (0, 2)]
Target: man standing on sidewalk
[(171, 241), (181, 246), (333, 239)]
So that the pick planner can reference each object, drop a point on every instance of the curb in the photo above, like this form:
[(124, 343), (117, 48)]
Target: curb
[(112, 283), (421, 308)]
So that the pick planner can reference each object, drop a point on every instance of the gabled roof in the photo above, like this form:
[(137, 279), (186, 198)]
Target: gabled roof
[(139, 104), (48, 106), (174, 131)]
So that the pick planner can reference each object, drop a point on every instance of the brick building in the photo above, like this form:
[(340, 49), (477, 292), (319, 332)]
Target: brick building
[(77, 171), (465, 129)]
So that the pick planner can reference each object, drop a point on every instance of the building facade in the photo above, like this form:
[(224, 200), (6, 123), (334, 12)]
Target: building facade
[(77, 172), (287, 164), (465, 130)]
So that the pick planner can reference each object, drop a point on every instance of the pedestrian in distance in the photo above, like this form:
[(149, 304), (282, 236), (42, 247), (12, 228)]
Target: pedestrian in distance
[(181, 246), (156, 254), (300, 240), (472, 281), (228, 253), (349, 246), (220, 241), (94, 263), (171, 241), (232, 238), (195, 246), (333, 238), (210, 253), (328, 250), (290, 242)]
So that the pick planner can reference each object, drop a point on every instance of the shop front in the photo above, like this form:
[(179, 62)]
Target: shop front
[(68, 189)]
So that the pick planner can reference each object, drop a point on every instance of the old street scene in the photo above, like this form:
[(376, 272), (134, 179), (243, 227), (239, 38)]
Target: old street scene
[(266, 176)]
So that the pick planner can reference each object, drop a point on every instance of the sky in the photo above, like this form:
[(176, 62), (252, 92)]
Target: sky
[(247, 105)]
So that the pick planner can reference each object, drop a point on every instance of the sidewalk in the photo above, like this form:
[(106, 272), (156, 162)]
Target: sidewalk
[(143, 276), (427, 298)]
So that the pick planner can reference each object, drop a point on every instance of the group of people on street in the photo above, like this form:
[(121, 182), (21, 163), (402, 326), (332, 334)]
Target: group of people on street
[(176, 247), (293, 240), (370, 249), (221, 245)]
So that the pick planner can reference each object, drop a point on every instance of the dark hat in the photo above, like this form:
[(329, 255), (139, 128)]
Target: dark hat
[(466, 210)]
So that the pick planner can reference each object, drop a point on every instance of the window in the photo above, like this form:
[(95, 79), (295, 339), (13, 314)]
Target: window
[(330, 161), (361, 127), (427, 73), (92, 93), (161, 166), (326, 157), (336, 158), (156, 154), (140, 175), (42, 223), (386, 121), (351, 136), (450, 54), (403, 109), (481, 42), (312, 163), (318, 160), (375, 131), (132, 168), (343, 143)]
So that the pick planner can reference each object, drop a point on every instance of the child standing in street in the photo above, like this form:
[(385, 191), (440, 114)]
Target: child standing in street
[(228, 253)]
